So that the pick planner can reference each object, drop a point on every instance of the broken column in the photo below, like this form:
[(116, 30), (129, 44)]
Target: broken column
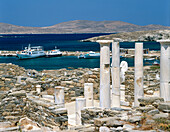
[(165, 69), (105, 73), (19, 79), (80, 104), (115, 75), (88, 94), (38, 89), (59, 95), (138, 84), (122, 92)]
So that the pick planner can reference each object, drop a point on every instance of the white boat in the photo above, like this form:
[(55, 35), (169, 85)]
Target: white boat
[(81, 56), (54, 53), (149, 59), (31, 52), (156, 63), (92, 55)]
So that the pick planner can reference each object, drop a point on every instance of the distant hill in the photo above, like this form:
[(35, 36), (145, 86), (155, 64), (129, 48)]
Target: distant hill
[(80, 26)]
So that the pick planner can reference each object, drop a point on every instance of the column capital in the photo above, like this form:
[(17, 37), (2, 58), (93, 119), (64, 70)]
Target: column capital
[(104, 41), (164, 41)]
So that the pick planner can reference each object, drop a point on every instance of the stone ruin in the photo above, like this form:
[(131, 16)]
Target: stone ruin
[(27, 95), (146, 113)]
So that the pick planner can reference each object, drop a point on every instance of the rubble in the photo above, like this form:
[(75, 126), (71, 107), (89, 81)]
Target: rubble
[(21, 102)]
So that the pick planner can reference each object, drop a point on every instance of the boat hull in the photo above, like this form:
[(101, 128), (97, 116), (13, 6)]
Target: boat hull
[(56, 55), (23, 57), (92, 56)]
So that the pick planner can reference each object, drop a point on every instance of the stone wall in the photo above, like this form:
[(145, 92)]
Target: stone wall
[(46, 113), (15, 105), (73, 81), (12, 105)]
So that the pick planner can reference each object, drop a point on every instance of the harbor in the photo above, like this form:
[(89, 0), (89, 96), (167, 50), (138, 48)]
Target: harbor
[(129, 53)]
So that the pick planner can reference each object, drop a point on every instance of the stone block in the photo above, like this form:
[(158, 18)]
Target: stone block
[(134, 119), (165, 107), (102, 121), (145, 109), (161, 115), (18, 93), (149, 100), (114, 123), (153, 112)]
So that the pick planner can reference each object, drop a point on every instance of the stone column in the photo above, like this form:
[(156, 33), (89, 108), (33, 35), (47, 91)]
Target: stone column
[(59, 95), (138, 84), (115, 75), (122, 92), (88, 94), (165, 69), (105, 100), (38, 89), (19, 79), (80, 104)]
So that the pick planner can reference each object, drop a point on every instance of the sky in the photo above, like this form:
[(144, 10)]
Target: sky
[(40, 13)]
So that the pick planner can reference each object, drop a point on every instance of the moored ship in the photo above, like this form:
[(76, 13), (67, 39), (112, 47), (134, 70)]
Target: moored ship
[(54, 53), (31, 52), (92, 55)]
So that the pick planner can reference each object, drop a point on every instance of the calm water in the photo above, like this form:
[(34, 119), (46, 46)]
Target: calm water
[(65, 42)]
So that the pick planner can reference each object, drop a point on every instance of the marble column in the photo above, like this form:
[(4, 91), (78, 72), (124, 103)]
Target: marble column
[(165, 69), (138, 84), (122, 92), (38, 89), (105, 100), (59, 95), (19, 79), (80, 104), (88, 94), (115, 75)]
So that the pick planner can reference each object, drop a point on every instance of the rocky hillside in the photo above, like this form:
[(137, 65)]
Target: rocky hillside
[(80, 26), (152, 35)]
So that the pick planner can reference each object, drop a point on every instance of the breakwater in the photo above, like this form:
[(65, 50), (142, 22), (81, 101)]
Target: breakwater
[(64, 53), (128, 53)]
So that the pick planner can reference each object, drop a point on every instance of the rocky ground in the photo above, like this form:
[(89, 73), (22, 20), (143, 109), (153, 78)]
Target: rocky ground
[(22, 107)]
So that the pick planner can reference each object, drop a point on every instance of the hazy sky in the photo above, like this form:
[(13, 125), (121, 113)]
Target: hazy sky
[(49, 12)]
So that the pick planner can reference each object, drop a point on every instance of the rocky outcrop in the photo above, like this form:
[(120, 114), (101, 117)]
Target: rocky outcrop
[(135, 36)]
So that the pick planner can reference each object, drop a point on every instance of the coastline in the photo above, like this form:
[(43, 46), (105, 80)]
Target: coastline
[(64, 53), (130, 54)]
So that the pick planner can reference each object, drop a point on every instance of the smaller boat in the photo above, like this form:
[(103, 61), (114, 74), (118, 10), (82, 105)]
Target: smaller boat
[(149, 59), (81, 56), (92, 55), (54, 53), (156, 63)]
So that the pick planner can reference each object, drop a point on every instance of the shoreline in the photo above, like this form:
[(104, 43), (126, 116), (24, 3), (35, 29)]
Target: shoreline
[(64, 53), (130, 54)]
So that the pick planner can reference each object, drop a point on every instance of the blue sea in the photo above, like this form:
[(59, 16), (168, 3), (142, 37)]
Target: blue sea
[(65, 42)]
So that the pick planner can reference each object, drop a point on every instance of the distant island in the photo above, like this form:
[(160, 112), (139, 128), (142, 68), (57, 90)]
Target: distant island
[(80, 26)]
